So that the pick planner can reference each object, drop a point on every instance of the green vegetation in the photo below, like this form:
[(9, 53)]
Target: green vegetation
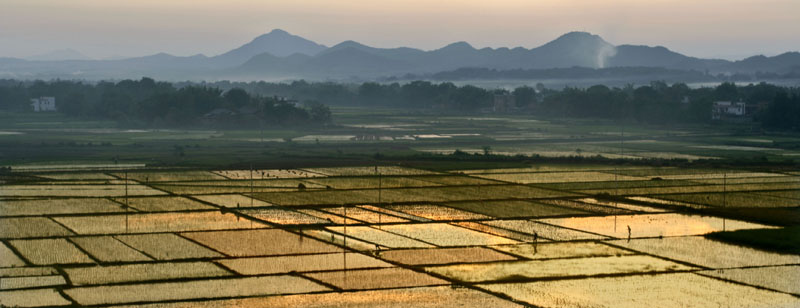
[(654, 103), (147, 103), (432, 126), (257, 104), (365, 136)]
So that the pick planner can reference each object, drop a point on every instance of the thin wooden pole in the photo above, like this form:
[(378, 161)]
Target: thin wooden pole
[(724, 195), (126, 201), (251, 186), (380, 178)]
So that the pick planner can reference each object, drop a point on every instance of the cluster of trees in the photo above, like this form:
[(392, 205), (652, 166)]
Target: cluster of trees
[(611, 73), (157, 103), (657, 102), (783, 112), (415, 94), (574, 73), (663, 103), (146, 102)]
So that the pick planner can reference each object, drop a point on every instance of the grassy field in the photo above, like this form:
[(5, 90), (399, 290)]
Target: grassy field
[(363, 136)]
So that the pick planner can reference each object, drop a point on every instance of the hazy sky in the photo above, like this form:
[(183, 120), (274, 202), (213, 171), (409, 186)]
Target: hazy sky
[(103, 28)]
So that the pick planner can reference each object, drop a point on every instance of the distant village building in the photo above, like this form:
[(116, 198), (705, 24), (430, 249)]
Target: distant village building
[(282, 99), (720, 110), (294, 103), (219, 112), (44, 103), (504, 103)]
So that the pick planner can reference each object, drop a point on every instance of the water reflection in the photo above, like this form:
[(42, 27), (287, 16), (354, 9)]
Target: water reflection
[(653, 225)]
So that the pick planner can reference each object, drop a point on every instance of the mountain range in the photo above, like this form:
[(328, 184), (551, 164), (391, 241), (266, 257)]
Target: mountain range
[(281, 55)]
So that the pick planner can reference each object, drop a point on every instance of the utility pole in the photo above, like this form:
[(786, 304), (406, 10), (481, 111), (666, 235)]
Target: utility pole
[(616, 175), (344, 247), (251, 186), (622, 140), (379, 195), (126, 201), (344, 239), (724, 195)]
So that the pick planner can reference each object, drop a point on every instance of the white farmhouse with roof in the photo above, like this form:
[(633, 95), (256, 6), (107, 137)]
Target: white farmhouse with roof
[(44, 103), (722, 109)]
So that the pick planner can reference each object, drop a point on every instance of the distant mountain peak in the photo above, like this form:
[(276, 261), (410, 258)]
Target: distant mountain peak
[(578, 49), (277, 42), (578, 34), (579, 37), (347, 45), (277, 31), (350, 44), (458, 46), (276, 34)]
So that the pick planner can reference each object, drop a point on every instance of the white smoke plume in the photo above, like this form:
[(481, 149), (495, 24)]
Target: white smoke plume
[(605, 52)]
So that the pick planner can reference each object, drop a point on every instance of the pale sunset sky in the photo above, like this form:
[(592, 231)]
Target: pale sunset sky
[(731, 29)]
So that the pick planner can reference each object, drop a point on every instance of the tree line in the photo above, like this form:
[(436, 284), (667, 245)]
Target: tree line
[(774, 107), (158, 103), (147, 102), (619, 73)]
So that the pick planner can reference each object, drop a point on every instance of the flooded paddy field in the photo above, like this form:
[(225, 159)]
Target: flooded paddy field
[(778, 278), (393, 236), (662, 290)]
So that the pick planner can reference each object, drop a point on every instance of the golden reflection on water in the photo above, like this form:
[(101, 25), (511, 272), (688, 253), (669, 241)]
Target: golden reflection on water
[(651, 225), (319, 253)]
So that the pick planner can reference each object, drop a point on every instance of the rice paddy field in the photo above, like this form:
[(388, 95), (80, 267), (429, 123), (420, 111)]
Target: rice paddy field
[(52, 143), (577, 235)]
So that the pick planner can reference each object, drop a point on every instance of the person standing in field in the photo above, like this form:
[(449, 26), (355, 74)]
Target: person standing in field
[(629, 233)]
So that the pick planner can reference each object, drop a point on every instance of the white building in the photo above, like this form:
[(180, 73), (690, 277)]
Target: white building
[(44, 103), (723, 109)]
